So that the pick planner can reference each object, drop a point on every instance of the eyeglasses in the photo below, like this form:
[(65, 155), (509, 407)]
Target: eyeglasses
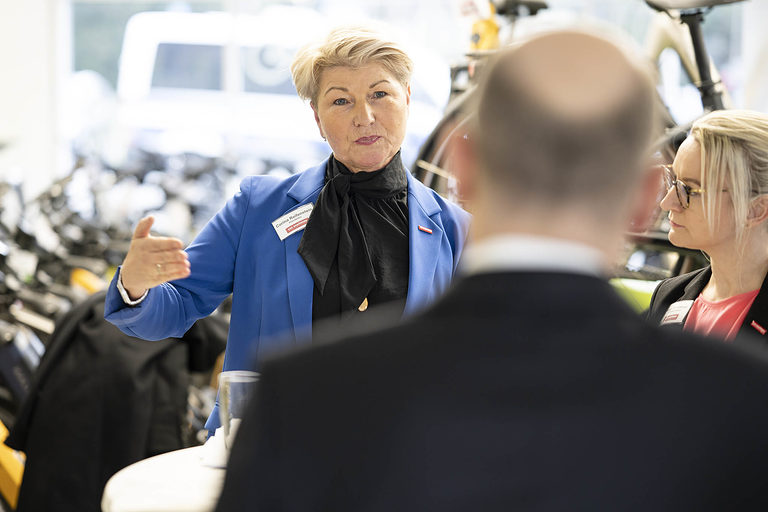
[(684, 192)]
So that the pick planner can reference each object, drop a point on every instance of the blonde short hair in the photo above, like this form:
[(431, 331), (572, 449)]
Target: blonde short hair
[(352, 46), (734, 156)]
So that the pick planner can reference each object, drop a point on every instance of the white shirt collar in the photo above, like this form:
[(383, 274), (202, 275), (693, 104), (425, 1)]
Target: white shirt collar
[(531, 253)]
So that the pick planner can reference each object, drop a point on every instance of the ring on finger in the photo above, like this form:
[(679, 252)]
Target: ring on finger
[(159, 267)]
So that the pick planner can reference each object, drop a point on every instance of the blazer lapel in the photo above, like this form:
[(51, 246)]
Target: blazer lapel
[(697, 284), (424, 240), (756, 321), (691, 292), (300, 288), (299, 280)]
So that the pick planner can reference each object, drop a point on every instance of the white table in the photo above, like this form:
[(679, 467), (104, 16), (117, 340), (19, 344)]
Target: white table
[(177, 481)]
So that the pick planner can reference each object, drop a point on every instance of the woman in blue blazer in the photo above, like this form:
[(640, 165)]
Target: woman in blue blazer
[(356, 230)]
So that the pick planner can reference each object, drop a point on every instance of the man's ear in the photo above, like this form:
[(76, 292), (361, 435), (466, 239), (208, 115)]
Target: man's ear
[(758, 210), (317, 119), (646, 200), (463, 164)]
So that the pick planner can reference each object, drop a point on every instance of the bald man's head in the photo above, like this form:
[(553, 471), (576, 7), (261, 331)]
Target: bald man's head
[(565, 116)]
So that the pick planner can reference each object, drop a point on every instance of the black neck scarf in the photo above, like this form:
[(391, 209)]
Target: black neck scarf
[(334, 245)]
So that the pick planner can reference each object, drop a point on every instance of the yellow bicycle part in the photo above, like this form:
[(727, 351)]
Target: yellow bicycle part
[(87, 280), (485, 32), (11, 470)]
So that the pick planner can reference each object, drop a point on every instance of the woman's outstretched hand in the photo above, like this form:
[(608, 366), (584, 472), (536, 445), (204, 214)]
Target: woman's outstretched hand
[(152, 260)]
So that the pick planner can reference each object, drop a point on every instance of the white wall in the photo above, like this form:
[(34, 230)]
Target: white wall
[(34, 56), (754, 38)]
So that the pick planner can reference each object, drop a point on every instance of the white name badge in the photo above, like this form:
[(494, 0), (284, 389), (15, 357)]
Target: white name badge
[(293, 221), (676, 312)]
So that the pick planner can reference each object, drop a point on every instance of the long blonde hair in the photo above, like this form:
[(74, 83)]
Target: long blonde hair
[(734, 156)]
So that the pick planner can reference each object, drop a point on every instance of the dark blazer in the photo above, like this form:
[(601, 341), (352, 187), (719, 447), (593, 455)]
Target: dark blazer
[(516, 391), (100, 401), (689, 286)]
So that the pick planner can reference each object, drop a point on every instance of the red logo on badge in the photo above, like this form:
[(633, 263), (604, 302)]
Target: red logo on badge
[(293, 227)]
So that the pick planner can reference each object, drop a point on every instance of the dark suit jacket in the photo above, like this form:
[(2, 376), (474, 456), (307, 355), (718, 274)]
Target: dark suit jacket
[(516, 391), (689, 286), (99, 402)]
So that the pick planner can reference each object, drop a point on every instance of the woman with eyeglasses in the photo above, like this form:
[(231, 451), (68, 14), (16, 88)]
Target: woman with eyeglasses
[(717, 199)]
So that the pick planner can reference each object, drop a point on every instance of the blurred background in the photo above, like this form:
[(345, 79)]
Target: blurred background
[(114, 78), (113, 109)]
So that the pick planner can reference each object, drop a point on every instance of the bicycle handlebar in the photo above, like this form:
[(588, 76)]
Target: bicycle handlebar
[(666, 5), (512, 7)]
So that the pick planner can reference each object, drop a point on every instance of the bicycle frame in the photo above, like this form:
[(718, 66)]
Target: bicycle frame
[(681, 32)]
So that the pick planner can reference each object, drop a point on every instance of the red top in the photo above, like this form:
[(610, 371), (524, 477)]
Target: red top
[(720, 318)]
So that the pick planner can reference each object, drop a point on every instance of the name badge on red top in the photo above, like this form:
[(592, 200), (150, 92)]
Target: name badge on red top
[(677, 312)]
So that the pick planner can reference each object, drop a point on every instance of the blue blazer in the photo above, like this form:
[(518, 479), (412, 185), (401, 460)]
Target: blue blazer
[(239, 252)]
